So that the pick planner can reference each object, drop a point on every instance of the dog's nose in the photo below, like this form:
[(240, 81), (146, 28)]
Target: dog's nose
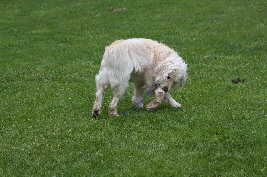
[(165, 89)]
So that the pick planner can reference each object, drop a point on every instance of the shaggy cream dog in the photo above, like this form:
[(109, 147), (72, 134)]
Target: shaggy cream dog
[(145, 63)]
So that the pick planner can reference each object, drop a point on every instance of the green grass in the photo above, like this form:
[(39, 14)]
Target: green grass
[(50, 52)]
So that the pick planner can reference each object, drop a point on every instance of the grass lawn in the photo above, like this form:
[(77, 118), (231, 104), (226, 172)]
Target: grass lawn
[(50, 52)]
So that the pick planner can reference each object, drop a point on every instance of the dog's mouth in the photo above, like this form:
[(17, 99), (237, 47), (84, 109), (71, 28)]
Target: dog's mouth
[(164, 88)]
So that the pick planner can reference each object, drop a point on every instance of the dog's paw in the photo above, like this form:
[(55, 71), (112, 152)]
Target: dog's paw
[(139, 105), (178, 105), (113, 112), (95, 113)]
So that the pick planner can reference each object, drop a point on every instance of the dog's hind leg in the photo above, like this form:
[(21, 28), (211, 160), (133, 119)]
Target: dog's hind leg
[(113, 105), (168, 98), (98, 102), (101, 85), (118, 91)]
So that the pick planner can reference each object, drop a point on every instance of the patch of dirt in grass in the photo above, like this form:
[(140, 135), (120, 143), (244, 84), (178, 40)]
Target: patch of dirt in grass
[(238, 80), (248, 33), (212, 57), (49, 78)]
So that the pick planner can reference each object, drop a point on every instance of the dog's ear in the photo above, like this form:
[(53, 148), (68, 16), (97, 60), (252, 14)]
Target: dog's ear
[(158, 80)]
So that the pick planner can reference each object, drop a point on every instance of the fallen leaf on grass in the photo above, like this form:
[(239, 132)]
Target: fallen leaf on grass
[(238, 80), (115, 10), (48, 78), (248, 33)]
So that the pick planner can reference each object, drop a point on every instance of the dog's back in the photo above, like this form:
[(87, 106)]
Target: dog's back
[(125, 56)]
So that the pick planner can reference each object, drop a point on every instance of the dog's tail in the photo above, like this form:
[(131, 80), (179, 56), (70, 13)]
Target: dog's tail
[(126, 56)]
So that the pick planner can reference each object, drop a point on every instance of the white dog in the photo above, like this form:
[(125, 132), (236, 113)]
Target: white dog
[(145, 63)]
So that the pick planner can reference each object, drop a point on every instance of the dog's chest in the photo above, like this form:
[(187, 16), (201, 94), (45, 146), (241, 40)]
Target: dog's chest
[(142, 79)]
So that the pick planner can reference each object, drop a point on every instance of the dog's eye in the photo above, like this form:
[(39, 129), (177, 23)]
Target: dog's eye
[(168, 77)]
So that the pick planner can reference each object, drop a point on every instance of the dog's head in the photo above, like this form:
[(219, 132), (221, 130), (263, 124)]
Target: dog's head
[(171, 72), (166, 80), (171, 79)]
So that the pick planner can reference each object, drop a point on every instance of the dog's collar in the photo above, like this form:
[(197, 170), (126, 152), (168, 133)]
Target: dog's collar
[(157, 85)]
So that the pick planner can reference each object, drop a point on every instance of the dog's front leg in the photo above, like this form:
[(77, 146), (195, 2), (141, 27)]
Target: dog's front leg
[(138, 96), (168, 98), (113, 105), (159, 96)]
